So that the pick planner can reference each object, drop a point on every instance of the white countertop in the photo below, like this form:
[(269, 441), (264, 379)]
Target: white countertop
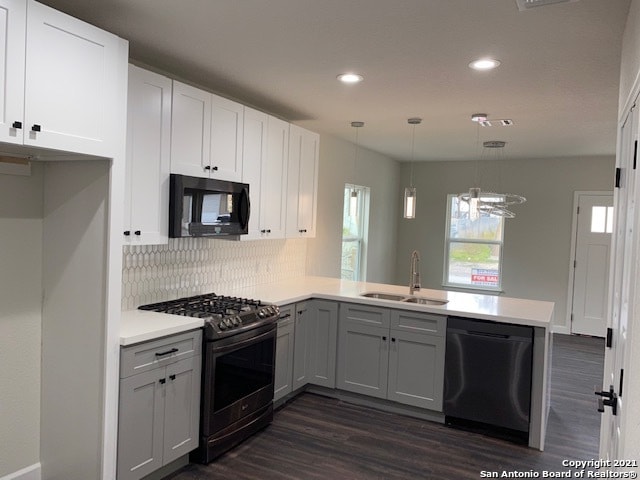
[(138, 326)]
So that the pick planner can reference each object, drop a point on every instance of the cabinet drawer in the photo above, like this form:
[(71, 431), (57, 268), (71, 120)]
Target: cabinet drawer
[(365, 314), (287, 315), (156, 353), (419, 322)]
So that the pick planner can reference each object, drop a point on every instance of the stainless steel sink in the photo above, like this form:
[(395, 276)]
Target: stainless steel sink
[(384, 296), (404, 298), (424, 301)]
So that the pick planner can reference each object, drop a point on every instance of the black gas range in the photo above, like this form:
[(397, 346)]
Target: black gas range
[(223, 315), (238, 369)]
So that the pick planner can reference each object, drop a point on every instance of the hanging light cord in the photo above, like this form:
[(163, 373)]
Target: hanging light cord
[(413, 143)]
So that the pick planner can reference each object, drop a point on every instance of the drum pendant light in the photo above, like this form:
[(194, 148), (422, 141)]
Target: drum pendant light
[(409, 210)]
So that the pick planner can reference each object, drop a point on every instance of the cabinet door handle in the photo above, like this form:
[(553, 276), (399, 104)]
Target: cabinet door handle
[(207, 167), (263, 231), (393, 339), (384, 339), (172, 377), (168, 352), (36, 128), (214, 169), (138, 232), (268, 230), (162, 381), (17, 125), (127, 233)]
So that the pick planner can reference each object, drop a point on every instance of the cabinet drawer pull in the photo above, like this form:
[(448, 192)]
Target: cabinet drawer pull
[(17, 125), (282, 317), (36, 128), (162, 381), (138, 232), (384, 339), (172, 377), (168, 352), (127, 233), (393, 339)]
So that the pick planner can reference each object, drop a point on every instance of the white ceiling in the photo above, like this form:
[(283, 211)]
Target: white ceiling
[(558, 80)]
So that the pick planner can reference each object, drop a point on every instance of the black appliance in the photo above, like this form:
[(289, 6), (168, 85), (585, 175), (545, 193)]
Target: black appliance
[(488, 377), (238, 367), (205, 207)]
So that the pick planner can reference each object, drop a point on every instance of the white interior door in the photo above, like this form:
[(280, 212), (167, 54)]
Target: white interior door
[(623, 289), (594, 228)]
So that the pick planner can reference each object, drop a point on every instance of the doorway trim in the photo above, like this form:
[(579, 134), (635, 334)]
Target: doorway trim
[(566, 329)]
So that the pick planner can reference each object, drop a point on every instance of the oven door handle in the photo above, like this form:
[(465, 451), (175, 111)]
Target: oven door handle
[(244, 343)]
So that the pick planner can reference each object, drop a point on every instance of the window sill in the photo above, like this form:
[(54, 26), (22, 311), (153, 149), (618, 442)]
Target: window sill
[(469, 289)]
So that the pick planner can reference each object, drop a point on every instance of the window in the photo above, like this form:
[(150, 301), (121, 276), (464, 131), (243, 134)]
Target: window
[(601, 219), (355, 219), (473, 248)]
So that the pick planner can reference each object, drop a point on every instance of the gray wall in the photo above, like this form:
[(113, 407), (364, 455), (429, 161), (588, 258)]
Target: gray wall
[(373, 170), (20, 319), (537, 242)]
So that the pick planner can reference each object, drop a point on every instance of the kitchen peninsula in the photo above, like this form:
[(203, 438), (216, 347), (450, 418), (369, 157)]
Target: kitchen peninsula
[(141, 326)]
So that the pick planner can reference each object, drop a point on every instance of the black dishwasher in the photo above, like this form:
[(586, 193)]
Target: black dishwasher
[(488, 377)]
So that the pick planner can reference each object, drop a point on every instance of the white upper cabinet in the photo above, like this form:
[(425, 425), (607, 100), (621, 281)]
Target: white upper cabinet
[(62, 87), (302, 188), (265, 147), (148, 158), (227, 119), (254, 153), (190, 131), (273, 185), (206, 134), (13, 14)]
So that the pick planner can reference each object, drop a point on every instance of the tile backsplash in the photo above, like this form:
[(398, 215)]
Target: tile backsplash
[(190, 266)]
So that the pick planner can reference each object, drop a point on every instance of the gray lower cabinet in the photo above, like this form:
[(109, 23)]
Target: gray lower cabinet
[(314, 355), (283, 381), (392, 354), (159, 406)]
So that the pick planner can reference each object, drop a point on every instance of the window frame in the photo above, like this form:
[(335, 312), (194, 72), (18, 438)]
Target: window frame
[(448, 240), (361, 240)]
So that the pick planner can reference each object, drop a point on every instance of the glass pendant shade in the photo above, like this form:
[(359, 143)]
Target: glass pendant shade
[(410, 202), (353, 203)]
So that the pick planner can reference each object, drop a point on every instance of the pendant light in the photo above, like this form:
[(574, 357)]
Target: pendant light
[(353, 199), (488, 203), (409, 210)]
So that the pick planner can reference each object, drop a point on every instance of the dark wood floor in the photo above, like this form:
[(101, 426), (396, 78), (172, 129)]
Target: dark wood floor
[(315, 437)]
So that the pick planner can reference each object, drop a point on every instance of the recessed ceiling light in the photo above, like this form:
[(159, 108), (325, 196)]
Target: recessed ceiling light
[(350, 78), (484, 64), (478, 117)]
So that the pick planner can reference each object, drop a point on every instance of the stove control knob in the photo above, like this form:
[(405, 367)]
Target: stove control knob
[(228, 322), (235, 321), (222, 326), (261, 314)]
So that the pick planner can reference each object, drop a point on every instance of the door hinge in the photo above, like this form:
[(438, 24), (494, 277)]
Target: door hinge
[(635, 153), (618, 175), (575, 262), (621, 379), (578, 211), (572, 317), (609, 337)]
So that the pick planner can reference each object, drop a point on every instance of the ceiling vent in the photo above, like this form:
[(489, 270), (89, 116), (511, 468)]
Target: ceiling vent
[(527, 4)]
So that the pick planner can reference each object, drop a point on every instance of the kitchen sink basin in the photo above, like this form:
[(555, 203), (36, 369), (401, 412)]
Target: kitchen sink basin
[(384, 296), (404, 298), (424, 301)]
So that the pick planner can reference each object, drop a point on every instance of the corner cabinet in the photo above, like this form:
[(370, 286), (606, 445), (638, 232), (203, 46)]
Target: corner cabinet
[(148, 158), (314, 358), (392, 354), (206, 134), (60, 87), (302, 182), (159, 403)]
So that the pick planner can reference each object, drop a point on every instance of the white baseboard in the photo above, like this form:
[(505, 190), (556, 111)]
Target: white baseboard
[(32, 472), (555, 329)]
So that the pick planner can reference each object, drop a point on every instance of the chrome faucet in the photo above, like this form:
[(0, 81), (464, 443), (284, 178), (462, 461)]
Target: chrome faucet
[(414, 272)]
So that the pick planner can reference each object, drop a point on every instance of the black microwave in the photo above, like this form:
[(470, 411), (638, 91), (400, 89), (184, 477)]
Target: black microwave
[(205, 207)]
